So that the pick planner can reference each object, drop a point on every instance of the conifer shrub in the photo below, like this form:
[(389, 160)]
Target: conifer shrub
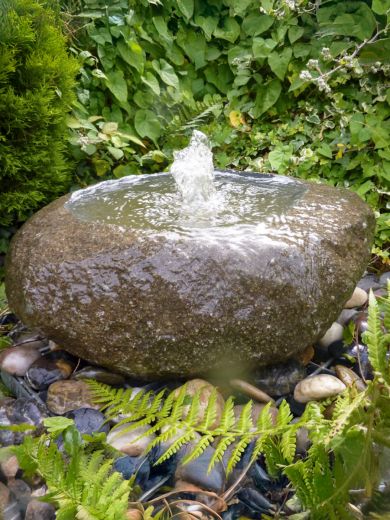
[(36, 89)]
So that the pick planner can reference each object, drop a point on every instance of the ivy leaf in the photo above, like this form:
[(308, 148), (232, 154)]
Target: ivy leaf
[(207, 24), (255, 24), (377, 51), (132, 53), (166, 73), (117, 153), (147, 124), (117, 84), (278, 62), (294, 33), (221, 77), (380, 6), (267, 96), (150, 80), (263, 48), (230, 30), (186, 7), (194, 45)]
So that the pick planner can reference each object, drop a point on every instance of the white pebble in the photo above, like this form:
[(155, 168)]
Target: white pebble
[(358, 298), (318, 387), (334, 333), (17, 360), (127, 441)]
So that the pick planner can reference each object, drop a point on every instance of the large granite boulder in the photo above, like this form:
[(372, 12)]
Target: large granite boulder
[(164, 304)]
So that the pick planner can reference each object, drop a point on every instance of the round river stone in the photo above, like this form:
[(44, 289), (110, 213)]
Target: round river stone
[(158, 303)]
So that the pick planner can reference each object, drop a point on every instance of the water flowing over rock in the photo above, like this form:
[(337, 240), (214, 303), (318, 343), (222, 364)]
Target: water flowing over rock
[(123, 276)]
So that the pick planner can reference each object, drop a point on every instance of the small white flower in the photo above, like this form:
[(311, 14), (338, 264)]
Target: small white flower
[(305, 75), (325, 53), (312, 64)]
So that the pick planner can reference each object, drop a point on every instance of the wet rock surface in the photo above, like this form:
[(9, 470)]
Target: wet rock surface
[(68, 395), (19, 411), (182, 305)]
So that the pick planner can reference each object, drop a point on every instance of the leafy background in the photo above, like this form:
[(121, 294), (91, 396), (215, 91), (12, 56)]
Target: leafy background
[(152, 70), (290, 86)]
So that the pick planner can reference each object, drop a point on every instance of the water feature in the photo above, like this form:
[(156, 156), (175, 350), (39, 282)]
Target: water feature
[(175, 274)]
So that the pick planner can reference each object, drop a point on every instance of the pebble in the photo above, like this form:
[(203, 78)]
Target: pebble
[(255, 500), (67, 395), (250, 390), (306, 356), (369, 281), (128, 466), (334, 333), (346, 315), (88, 420), (17, 360), (257, 409), (277, 380), (127, 441), (318, 387), (206, 389), (18, 411), (349, 377), (21, 492), (12, 511), (9, 467), (384, 278), (302, 441), (37, 510), (4, 496), (195, 472), (358, 298), (361, 323), (50, 368), (101, 375)]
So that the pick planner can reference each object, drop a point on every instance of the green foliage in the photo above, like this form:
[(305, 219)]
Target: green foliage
[(304, 88), (80, 482), (36, 91)]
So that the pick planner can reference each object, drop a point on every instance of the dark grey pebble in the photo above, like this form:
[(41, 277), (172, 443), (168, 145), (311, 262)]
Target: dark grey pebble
[(196, 472), (21, 492), (128, 466), (369, 281), (255, 500), (18, 411), (88, 420), (37, 510), (277, 380), (52, 367), (384, 278), (99, 374)]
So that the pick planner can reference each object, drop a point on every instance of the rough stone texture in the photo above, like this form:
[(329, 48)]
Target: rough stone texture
[(153, 305), (65, 396)]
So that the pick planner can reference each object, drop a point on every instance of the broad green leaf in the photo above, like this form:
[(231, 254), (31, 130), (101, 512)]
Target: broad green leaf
[(208, 24), (380, 6), (239, 55), (325, 150), (125, 169), (221, 77), (295, 32), (262, 48), (194, 45), (360, 23), (267, 96), (377, 51), (230, 30), (278, 62), (276, 158), (359, 130), (150, 80), (117, 153), (117, 84), (166, 73), (147, 124), (186, 7), (132, 53), (101, 167), (162, 28), (256, 23), (57, 424)]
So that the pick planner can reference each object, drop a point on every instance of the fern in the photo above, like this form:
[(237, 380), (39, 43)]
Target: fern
[(82, 486), (200, 113)]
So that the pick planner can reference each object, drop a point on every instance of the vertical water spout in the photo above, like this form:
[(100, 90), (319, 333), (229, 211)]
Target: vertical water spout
[(193, 170)]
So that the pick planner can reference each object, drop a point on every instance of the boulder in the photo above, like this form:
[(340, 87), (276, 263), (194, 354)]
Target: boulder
[(161, 304)]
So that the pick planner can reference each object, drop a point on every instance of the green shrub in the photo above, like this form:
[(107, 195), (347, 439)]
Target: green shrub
[(36, 91), (304, 86)]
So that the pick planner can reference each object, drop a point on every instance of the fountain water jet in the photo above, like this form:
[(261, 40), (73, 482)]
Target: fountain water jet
[(236, 270)]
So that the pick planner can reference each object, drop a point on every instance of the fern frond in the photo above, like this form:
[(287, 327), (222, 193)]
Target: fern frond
[(376, 341), (220, 450), (199, 113), (284, 415), (185, 438), (198, 449), (210, 413), (237, 453), (288, 445), (264, 422), (228, 419), (245, 423)]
